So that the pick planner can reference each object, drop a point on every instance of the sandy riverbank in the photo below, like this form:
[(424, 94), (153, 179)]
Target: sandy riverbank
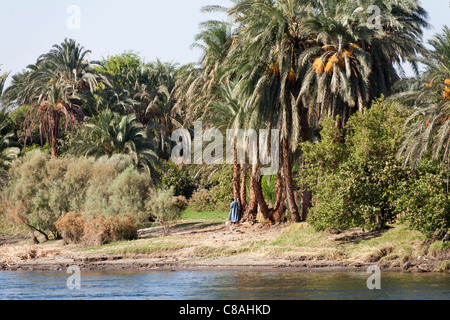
[(196, 245)]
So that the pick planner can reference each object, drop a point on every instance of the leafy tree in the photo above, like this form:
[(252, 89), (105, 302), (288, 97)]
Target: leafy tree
[(428, 127), (424, 203), (8, 151), (110, 133), (59, 89), (357, 181), (164, 208)]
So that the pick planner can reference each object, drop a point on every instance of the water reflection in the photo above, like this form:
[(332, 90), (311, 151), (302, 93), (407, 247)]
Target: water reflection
[(187, 285)]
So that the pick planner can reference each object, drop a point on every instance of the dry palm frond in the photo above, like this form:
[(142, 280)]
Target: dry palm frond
[(275, 69), (292, 77)]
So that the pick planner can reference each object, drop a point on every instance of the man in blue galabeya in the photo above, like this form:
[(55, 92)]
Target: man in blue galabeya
[(234, 214)]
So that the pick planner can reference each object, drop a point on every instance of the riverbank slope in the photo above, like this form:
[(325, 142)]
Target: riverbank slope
[(212, 245)]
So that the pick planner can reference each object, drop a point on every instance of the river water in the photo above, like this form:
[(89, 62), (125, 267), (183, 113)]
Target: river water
[(211, 285)]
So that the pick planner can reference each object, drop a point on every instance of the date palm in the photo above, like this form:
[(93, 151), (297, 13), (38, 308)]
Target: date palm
[(428, 127), (111, 133), (3, 78), (352, 62), (197, 85), (266, 53), (8, 151), (59, 89)]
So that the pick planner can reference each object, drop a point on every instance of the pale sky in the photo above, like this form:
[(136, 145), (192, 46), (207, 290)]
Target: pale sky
[(163, 29)]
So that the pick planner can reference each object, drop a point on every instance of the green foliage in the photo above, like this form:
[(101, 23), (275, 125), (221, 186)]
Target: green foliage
[(41, 189), (129, 193), (110, 134), (165, 208), (356, 181), (425, 202), (215, 191), (181, 179), (8, 151)]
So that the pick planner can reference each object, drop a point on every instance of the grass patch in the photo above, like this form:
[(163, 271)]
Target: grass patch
[(443, 266), (302, 235), (142, 246), (212, 215), (149, 248), (394, 246)]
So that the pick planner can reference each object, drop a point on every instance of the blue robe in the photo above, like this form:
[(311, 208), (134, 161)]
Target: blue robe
[(234, 214)]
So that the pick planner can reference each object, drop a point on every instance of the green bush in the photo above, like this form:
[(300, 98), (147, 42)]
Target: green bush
[(425, 205), (180, 178), (165, 208), (214, 192), (354, 173), (40, 189), (129, 193)]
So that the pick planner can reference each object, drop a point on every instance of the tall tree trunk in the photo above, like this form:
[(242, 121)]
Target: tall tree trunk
[(287, 171), (306, 194), (236, 179), (279, 207), (54, 132), (252, 207), (162, 151), (243, 188), (264, 209)]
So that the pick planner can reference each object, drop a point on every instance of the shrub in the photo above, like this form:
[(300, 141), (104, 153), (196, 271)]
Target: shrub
[(129, 193), (356, 180), (180, 202), (202, 200), (165, 208), (40, 189), (124, 227), (180, 178), (100, 229), (71, 227), (425, 206)]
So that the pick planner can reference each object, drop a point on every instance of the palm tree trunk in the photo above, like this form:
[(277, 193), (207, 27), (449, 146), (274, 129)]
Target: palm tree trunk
[(252, 207), (162, 151), (287, 170), (236, 179), (264, 209), (54, 132), (243, 188), (279, 207), (305, 193)]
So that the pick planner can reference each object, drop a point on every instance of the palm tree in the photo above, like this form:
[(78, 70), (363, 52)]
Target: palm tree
[(59, 89), (337, 70), (428, 127), (8, 152), (265, 53), (110, 133), (3, 78), (161, 101), (197, 85)]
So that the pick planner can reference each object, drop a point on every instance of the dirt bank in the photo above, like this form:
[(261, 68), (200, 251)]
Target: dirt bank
[(199, 245)]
